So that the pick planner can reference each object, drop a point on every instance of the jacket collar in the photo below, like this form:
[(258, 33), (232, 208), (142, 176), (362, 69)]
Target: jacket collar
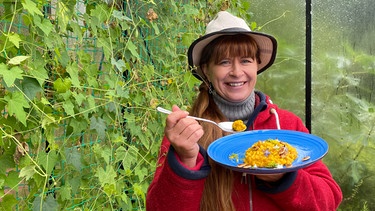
[(260, 105)]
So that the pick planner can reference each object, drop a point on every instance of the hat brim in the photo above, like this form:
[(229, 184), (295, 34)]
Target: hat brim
[(267, 46)]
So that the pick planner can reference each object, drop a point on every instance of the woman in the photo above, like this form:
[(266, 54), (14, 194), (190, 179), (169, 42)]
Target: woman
[(227, 60)]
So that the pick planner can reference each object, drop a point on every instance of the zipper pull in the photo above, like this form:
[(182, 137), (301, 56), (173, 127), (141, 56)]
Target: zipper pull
[(243, 179)]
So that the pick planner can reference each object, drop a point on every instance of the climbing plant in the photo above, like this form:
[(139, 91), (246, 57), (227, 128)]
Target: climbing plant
[(79, 84), (80, 81)]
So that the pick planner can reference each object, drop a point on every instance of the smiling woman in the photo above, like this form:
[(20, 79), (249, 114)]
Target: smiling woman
[(227, 59)]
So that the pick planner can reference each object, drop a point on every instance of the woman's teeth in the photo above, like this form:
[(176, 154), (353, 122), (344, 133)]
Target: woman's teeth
[(236, 84)]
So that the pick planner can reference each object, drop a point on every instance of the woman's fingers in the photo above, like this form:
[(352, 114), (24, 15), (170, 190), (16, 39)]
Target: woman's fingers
[(186, 131), (173, 118), (183, 134)]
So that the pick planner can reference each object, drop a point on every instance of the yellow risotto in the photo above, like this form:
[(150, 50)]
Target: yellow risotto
[(238, 125), (270, 153)]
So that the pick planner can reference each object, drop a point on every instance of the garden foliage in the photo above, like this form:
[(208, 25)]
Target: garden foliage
[(80, 81)]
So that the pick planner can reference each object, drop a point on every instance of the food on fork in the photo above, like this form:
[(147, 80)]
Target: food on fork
[(238, 126)]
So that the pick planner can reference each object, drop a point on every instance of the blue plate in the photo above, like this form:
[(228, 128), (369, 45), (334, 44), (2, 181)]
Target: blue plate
[(223, 149)]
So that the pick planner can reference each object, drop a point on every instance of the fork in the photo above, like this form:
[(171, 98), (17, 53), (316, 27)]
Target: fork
[(225, 126)]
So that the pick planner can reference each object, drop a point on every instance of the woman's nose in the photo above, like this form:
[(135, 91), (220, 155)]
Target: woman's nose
[(236, 69)]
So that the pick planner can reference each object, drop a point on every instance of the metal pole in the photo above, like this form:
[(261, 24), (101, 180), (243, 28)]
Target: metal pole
[(308, 65)]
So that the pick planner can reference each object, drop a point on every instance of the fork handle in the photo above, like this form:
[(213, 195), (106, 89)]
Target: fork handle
[(163, 110)]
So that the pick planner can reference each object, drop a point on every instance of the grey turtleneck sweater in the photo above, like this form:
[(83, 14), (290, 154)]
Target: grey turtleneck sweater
[(234, 111)]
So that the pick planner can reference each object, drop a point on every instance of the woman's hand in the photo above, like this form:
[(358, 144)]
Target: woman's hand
[(183, 133)]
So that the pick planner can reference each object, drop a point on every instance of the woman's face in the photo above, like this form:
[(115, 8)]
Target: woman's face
[(233, 79)]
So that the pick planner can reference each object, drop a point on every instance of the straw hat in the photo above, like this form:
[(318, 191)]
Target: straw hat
[(227, 24)]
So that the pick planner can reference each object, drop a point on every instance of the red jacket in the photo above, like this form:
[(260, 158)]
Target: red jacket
[(176, 187)]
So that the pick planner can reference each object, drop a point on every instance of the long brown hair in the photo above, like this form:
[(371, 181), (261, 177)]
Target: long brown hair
[(217, 194)]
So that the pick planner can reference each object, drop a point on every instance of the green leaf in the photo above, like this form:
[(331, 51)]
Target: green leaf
[(27, 172), (188, 38), (17, 60), (80, 98), (48, 160), (75, 182), (12, 180), (6, 159), (190, 10), (62, 85), (109, 189), (127, 156), (138, 190), (78, 125), (16, 104), (106, 176), (68, 108), (11, 75), (141, 172), (44, 24), (148, 71), (119, 64), (101, 13), (190, 80), (32, 8), (15, 39), (2, 180), (72, 69), (62, 55), (98, 124), (36, 203), (77, 30), (106, 47), (31, 87), (64, 14), (133, 49), (253, 25), (66, 192), (155, 27), (73, 157), (40, 74), (106, 154), (8, 202), (91, 103), (122, 92), (50, 204), (120, 16)]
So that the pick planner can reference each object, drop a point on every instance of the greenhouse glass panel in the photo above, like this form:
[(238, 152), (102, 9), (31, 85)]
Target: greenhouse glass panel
[(343, 100), (342, 82), (285, 80)]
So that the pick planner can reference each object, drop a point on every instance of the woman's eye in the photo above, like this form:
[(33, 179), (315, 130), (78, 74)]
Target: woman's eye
[(224, 62), (247, 60)]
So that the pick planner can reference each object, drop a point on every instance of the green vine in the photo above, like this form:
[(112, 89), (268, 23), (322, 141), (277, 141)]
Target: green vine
[(80, 81)]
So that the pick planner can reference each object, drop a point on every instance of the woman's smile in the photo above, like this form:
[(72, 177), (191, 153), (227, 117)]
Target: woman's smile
[(235, 84)]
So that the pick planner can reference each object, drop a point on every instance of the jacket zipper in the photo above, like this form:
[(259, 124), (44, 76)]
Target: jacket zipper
[(250, 194)]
